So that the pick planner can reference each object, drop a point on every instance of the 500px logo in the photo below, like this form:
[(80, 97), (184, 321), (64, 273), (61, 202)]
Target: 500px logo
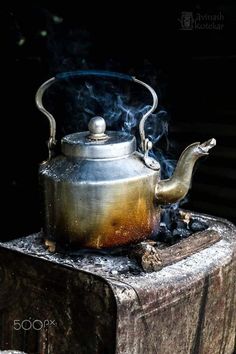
[(29, 324)]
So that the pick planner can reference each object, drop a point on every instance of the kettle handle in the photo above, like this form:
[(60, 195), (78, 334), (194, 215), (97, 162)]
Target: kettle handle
[(145, 142)]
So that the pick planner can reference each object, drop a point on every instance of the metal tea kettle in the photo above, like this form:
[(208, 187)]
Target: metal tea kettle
[(101, 192)]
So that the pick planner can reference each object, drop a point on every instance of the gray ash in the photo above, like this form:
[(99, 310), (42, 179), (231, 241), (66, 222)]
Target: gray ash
[(177, 224)]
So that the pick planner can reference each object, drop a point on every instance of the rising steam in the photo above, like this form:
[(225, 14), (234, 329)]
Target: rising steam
[(123, 113)]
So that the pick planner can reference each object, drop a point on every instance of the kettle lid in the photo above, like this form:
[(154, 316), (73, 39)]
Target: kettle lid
[(97, 143)]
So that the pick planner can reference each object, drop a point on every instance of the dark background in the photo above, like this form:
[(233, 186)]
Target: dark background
[(193, 71)]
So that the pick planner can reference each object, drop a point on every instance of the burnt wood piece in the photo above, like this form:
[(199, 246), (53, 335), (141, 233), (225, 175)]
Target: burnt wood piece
[(147, 256), (152, 259)]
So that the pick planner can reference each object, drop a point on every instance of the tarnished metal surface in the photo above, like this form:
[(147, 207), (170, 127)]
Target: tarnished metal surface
[(106, 304), (118, 144), (94, 203), (177, 186)]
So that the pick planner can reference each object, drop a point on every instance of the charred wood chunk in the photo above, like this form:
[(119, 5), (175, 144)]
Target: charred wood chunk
[(152, 259), (179, 224), (181, 232), (185, 216), (189, 246), (147, 257), (196, 225), (50, 246), (164, 234)]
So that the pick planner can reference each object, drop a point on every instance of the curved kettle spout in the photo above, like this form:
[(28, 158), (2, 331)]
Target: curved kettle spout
[(176, 187)]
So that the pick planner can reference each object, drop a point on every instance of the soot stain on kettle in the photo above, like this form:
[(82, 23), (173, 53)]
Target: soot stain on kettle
[(132, 218)]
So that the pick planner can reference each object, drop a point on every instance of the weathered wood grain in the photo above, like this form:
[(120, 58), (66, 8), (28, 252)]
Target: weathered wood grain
[(152, 259)]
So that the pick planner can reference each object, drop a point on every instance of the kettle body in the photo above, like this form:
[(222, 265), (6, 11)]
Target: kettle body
[(97, 204)]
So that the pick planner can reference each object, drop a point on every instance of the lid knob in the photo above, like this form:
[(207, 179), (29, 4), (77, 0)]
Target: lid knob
[(97, 128)]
